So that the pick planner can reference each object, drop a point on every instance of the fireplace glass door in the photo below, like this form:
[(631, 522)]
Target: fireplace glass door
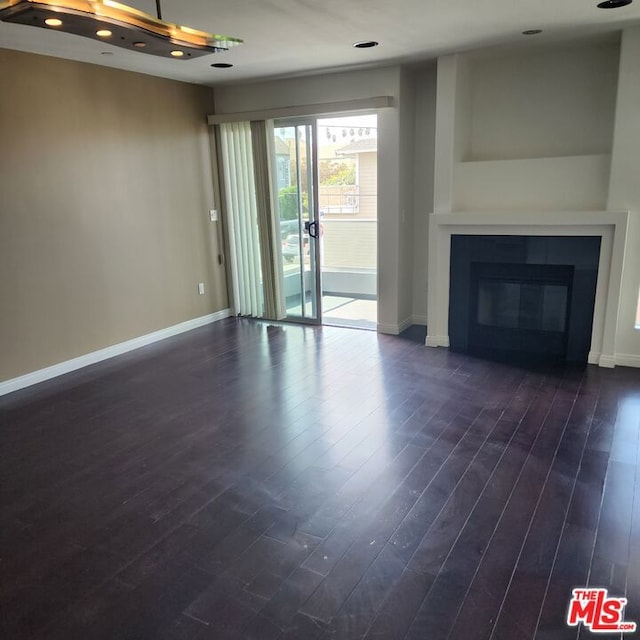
[(520, 307)]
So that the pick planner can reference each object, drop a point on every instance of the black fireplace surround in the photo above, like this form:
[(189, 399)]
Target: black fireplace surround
[(523, 297)]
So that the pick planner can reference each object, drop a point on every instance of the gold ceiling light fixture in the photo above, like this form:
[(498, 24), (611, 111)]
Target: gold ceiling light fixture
[(127, 27)]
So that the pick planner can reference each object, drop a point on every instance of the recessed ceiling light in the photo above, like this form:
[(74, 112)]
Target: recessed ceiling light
[(614, 4), (531, 32), (176, 53), (222, 65), (103, 33), (53, 22), (365, 44), (140, 44)]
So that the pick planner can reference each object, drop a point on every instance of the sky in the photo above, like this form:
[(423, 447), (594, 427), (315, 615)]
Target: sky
[(369, 120)]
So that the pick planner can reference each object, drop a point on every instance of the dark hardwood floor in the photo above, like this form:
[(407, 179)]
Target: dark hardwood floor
[(260, 481)]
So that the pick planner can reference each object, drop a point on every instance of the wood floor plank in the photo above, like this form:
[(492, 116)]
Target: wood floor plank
[(254, 480)]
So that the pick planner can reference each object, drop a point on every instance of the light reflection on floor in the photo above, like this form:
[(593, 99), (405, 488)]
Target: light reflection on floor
[(350, 312), (344, 311)]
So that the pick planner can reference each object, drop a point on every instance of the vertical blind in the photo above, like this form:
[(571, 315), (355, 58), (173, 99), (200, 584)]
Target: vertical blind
[(242, 219), (268, 224), (251, 214)]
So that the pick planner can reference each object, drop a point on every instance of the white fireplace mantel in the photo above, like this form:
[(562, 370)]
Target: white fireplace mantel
[(610, 226)]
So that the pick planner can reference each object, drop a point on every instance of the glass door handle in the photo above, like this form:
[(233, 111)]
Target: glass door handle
[(311, 228)]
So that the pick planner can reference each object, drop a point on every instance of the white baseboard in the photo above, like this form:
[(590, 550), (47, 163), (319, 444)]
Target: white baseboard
[(14, 384), (608, 362), (419, 319), (391, 329), (395, 329), (405, 324), (437, 341), (620, 359), (627, 360), (595, 357)]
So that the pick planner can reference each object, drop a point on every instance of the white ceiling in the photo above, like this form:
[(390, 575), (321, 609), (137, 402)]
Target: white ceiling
[(290, 37)]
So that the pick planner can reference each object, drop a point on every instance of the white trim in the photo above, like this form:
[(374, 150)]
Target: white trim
[(395, 329), (334, 108), (391, 329), (405, 324), (14, 384), (609, 362), (593, 357), (418, 319), (437, 341), (627, 360)]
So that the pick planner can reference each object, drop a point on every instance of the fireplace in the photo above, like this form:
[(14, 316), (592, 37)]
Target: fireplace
[(609, 228), (519, 308), (525, 297)]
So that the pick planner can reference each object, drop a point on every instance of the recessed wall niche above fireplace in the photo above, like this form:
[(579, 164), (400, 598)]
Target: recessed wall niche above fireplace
[(523, 296)]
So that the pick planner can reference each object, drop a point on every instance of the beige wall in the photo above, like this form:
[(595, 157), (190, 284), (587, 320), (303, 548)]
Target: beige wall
[(534, 128), (541, 103), (406, 165), (624, 192), (105, 183), (424, 157)]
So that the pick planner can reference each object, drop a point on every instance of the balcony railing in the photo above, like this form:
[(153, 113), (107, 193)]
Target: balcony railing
[(339, 199)]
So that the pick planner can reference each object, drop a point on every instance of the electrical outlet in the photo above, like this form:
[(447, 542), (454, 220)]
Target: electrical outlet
[(213, 215), (201, 288)]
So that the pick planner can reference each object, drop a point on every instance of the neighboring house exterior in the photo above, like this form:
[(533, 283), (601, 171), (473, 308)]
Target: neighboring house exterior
[(350, 213), (283, 163), (359, 200)]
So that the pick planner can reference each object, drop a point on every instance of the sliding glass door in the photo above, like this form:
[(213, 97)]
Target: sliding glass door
[(325, 175), (299, 227)]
